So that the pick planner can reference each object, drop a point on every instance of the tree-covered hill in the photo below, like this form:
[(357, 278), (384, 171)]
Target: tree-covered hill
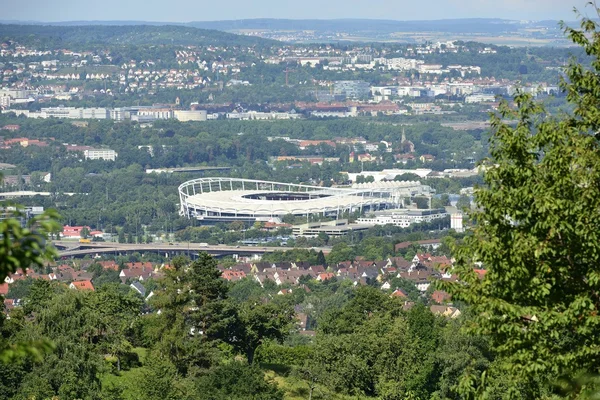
[(47, 36)]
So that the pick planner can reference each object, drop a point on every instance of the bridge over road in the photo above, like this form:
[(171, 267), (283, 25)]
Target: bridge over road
[(74, 249)]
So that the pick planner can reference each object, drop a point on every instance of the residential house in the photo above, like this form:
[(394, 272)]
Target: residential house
[(82, 285), (440, 297), (317, 269), (325, 276), (3, 289), (73, 232), (445, 311), (399, 293), (232, 275), (109, 265), (302, 321), (403, 158), (138, 287), (480, 273), (262, 277), (139, 273)]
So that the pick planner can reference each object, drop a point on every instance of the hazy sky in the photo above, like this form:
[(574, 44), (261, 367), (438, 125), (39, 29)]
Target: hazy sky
[(205, 10)]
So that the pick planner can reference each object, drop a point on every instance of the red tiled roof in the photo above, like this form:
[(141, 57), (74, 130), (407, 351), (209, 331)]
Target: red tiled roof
[(326, 276), (480, 273), (83, 285), (439, 296), (399, 293), (109, 265), (231, 275)]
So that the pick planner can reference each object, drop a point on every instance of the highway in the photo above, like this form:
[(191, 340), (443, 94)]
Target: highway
[(186, 169), (29, 193), (76, 249)]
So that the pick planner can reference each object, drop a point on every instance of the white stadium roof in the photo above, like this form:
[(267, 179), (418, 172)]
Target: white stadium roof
[(242, 198)]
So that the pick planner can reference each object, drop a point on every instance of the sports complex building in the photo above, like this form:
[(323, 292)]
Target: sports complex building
[(230, 199)]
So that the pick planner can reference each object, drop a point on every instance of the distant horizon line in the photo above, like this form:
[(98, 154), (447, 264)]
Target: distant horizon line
[(130, 21)]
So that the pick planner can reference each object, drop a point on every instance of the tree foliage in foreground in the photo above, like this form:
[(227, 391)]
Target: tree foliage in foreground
[(537, 235), (22, 248)]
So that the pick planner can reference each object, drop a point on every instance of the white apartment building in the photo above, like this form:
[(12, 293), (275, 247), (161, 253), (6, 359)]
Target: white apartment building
[(411, 91), (5, 101), (456, 222), (430, 69), (17, 93), (57, 112), (154, 113), (90, 113), (404, 218), (399, 63), (100, 154), (480, 98), (190, 115)]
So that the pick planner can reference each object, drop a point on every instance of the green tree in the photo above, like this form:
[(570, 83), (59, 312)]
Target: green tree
[(85, 232), (442, 201), (236, 381), (19, 289), (536, 235), (321, 259), (421, 202), (259, 322), (464, 202), (195, 314), (289, 219), (121, 236), (340, 252), (158, 382), (23, 248)]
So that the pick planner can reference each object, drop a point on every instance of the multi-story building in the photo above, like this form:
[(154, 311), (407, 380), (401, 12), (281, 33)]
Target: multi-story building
[(149, 114), (100, 154), (404, 218), (57, 112), (92, 113), (480, 98), (456, 222), (190, 115), (351, 89), (5, 101)]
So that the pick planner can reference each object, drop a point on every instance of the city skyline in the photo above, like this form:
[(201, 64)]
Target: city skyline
[(180, 11)]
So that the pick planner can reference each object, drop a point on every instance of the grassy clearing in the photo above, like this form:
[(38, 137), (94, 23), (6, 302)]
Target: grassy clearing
[(297, 389)]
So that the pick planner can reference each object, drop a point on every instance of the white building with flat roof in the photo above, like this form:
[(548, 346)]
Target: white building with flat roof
[(404, 218), (456, 222), (190, 115), (100, 154), (389, 174)]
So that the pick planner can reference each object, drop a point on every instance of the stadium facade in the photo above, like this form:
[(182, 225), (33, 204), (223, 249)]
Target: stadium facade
[(230, 199)]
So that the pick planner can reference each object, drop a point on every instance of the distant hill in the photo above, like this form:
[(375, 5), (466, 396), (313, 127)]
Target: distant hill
[(464, 26), (222, 33), (68, 35)]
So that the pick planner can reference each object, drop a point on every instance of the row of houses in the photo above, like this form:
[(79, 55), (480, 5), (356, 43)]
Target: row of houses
[(422, 270)]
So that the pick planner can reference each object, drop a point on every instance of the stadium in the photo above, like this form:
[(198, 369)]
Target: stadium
[(230, 199)]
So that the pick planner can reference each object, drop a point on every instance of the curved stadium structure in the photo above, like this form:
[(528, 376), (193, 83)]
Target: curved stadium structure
[(230, 199)]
